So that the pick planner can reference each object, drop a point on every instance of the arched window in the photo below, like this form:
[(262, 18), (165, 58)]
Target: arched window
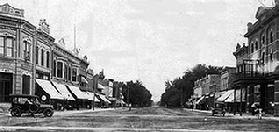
[(252, 47), (74, 74), (256, 45), (37, 55), (263, 39), (271, 36), (26, 49)]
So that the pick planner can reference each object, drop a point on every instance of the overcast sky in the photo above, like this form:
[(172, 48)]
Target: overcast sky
[(149, 40)]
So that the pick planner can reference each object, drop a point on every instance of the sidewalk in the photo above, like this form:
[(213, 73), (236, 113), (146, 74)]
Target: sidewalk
[(237, 116), (69, 112)]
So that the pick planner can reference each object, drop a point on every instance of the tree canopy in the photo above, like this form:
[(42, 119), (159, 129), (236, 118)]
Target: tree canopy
[(180, 89), (136, 94)]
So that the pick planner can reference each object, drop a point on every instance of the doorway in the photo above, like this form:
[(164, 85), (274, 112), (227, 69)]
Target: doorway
[(6, 86)]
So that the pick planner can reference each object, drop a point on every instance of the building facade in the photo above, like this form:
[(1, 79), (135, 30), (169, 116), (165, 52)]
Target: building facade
[(227, 78), (257, 63), (17, 40), (31, 62)]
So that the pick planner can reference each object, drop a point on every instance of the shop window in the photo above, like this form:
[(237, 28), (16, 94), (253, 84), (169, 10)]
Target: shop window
[(60, 69), (74, 74), (47, 59)]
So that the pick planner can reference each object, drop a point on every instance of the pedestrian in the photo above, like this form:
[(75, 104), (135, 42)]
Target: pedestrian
[(258, 111)]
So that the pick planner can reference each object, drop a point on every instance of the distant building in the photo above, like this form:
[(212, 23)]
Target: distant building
[(227, 78)]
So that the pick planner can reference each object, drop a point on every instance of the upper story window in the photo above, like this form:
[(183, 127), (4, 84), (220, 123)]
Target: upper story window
[(59, 69), (47, 59), (2, 46), (263, 40), (252, 47), (69, 73), (74, 74), (10, 47), (37, 55), (256, 46), (6, 46), (54, 68), (42, 57), (271, 36), (26, 49), (65, 71)]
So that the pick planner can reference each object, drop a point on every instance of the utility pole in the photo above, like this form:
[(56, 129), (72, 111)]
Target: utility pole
[(130, 105)]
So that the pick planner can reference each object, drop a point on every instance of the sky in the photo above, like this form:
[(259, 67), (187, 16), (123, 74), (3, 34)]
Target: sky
[(149, 40)]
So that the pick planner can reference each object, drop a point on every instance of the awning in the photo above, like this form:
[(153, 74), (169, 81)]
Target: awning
[(48, 88), (90, 96), (103, 97), (100, 86), (83, 79), (64, 91), (80, 95), (120, 102), (225, 95), (232, 96)]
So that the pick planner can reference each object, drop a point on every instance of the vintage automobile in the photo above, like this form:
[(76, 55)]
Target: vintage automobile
[(29, 104), (219, 108)]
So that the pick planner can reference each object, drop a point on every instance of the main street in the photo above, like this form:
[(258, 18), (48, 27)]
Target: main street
[(138, 119)]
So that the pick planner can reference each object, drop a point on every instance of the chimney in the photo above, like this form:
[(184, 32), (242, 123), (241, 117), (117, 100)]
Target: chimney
[(249, 25)]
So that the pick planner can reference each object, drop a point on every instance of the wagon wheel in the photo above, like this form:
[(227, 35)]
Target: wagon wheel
[(16, 112)]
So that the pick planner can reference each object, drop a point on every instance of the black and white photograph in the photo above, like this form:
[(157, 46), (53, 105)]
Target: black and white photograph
[(139, 65)]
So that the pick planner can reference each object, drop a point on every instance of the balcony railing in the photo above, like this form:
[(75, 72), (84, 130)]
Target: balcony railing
[(250, 75)]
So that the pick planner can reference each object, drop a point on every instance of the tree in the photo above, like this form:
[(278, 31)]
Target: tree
[(136, 94), (181, 88)]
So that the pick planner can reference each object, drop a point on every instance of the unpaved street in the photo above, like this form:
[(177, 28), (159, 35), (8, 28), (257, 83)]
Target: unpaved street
[(140, 119)]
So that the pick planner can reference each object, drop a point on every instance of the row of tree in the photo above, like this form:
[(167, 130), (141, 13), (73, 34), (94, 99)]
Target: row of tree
[(179, 90)]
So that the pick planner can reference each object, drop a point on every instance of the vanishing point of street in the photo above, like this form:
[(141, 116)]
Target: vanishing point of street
[(138, 119)]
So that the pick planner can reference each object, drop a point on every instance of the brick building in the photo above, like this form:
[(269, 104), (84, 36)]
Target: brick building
[(33, 63), (16, 53), (257, 63)]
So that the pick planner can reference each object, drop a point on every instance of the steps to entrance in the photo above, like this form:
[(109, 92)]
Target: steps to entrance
[(4, 107)]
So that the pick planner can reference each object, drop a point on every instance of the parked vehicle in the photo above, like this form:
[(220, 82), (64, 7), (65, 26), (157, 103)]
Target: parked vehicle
[(219, 108), (29, 104)]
